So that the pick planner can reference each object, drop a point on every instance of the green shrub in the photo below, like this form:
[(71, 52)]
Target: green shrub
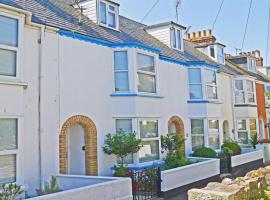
[(49, 188), (174, 161), (121, 171), (10, 191), (205, 152), (232, 147)]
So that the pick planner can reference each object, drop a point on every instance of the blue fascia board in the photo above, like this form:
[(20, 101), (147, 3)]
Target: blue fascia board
[(107, 43), (136, 95), (202, 63), (204, 101)]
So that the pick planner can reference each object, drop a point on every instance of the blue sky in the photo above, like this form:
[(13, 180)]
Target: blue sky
[(200, 14)]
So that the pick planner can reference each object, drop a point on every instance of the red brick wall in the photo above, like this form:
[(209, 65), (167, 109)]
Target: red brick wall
[(261, 105)]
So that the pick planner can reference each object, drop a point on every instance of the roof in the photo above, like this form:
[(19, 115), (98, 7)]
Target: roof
[(165, 24)]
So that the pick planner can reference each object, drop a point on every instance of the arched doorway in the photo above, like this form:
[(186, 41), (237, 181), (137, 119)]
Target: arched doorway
[(176, 125), (226, 130), (78, 138)]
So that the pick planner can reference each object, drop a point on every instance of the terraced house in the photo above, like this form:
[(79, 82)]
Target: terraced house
[(67, 78)]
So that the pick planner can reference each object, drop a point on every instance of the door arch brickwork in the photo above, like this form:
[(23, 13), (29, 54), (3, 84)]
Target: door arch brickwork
[(180, 129), (90, 137)]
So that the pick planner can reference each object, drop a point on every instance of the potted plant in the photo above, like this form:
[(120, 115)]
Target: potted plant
[(121, 144), (254, 140)]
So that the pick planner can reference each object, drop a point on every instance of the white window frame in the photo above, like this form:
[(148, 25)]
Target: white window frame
[(137, 71), (16, 152), (247, 127), (15, 49), (213, 131), (204, 84), (127, 70), (175, 30), (116, 12), (204, 135), (245, 91), (149, 139), (251, 64)]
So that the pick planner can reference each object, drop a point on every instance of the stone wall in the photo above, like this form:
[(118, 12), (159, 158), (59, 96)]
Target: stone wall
[(251, 186)]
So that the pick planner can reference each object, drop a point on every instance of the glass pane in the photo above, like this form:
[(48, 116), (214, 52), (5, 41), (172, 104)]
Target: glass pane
[(250, 86), (194, 76), (102, 13), (197, 142), (239, 85), (197, 127), (220, 55), (120, 60), (8, 134), (149, 129), (7, 168), (9, 31), (211, 92), (112, 8), (210, 76), (173, 38), (121, 81), (241, 125), (147, 83), (195, 92), (179, 39), (213, 124), (7, 62), (125, 124), (212, 51), (252, 124), (243, 137), (239, 97), (251, 98), (149, 151), (112, 20), (214, 141), (145, 63)]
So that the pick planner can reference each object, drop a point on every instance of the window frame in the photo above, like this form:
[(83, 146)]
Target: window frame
[(17, 49), (215, 132), (119, 71), (214, 85), (116, 13), (248, 130), (245, 92), (174, 37), (191, 135), (137, 72), (17, 151)]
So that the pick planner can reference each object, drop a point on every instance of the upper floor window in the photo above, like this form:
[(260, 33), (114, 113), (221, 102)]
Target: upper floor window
[(198, 85), (176, 38), (121, 78), (146, 73), (8, 46), (108, 14), (220, 55), (212, 51), (244, 92), (251, 64), (8, 150)]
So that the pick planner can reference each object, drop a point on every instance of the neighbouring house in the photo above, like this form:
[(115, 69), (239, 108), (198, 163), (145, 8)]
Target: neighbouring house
[(69, 76)]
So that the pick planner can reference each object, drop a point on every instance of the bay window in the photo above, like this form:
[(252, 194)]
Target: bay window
[(197, 82), (108, 14), (8, 149), (125, 125), (213, 134), (146, 73), (176, 38), (197, 133), (8, 46), (244, 92), (246, 128), (150, 140), (121, 78)]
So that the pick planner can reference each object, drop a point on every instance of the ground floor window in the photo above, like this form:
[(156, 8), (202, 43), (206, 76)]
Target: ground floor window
[(8, 149), (205, 132), (246, 128)]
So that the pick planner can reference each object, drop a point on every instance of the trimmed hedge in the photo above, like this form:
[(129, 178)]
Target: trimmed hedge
[(233, 147), (205, 152)]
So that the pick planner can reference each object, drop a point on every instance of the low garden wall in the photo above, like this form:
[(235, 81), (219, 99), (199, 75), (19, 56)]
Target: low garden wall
[(251, 186), (85, 187)]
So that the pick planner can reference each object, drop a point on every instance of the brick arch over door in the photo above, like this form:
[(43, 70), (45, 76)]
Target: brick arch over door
[(179, 128), (90, 138)]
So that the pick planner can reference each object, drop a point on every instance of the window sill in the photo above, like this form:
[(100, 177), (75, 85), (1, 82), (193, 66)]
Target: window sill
[(136, 95), (205, 101), (245, 105), (15, 83)]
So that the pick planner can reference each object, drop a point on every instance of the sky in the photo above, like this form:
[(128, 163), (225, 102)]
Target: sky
[(200, 14)]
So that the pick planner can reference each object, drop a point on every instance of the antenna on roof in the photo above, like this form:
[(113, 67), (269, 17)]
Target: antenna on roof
[(177, 6), (188, 28), (237, 50)]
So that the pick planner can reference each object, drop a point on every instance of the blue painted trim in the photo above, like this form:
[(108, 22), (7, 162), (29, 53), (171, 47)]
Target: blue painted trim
[(164, 58), (107, 43), (136, 95), (147, 166), (204, 101)]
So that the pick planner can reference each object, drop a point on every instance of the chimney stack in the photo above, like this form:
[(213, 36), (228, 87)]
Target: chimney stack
[(202, 37), (255, 54)]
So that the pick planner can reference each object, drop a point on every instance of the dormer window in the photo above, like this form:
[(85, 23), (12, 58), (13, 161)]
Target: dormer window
[(108, 14), (176, 38), (251, 64), (212, 51)]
